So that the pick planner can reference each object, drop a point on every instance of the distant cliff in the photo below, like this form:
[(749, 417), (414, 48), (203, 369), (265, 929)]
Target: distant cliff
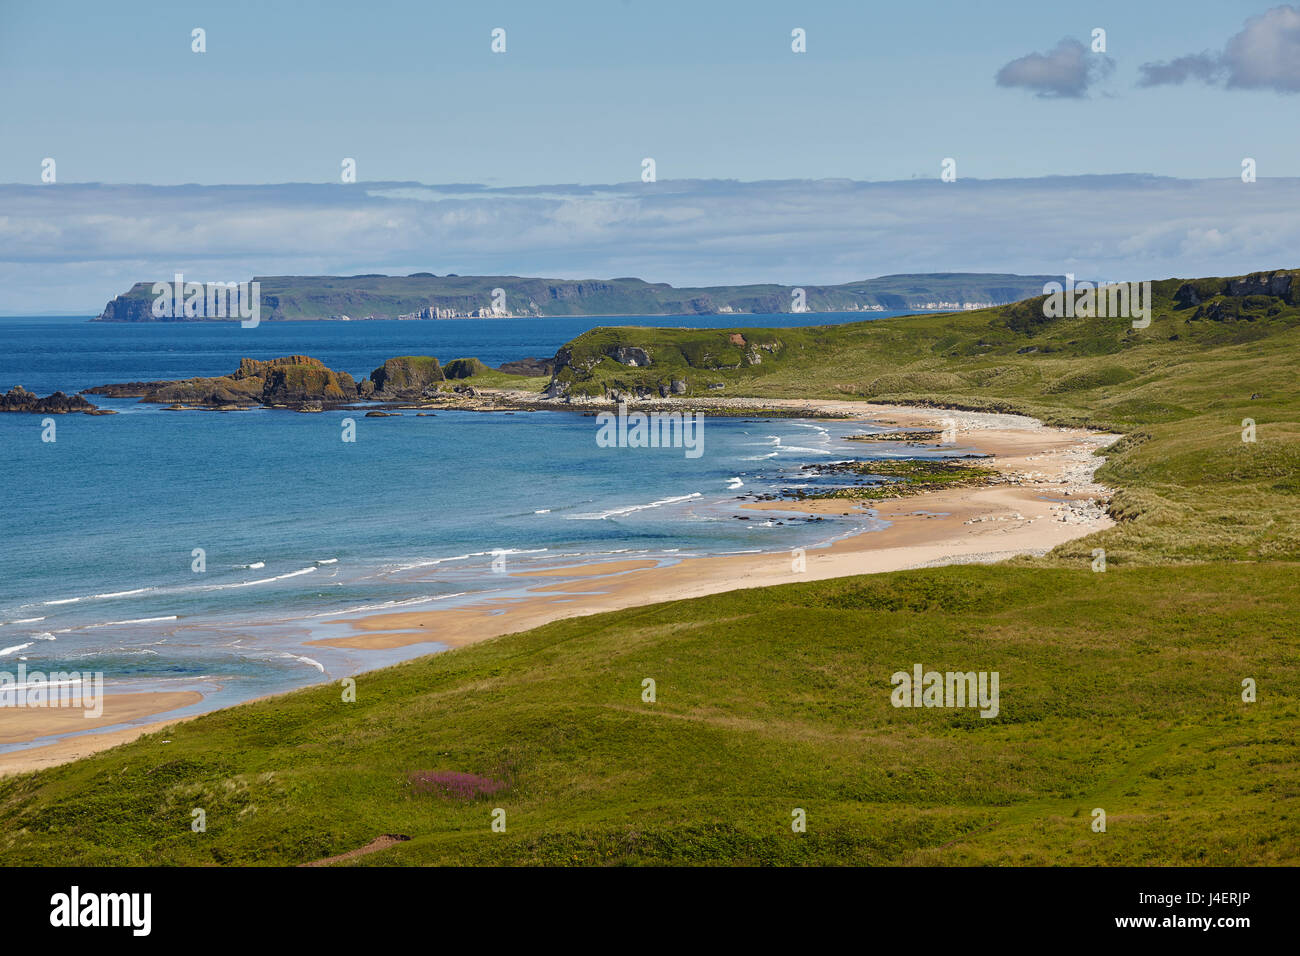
[(427, 296)]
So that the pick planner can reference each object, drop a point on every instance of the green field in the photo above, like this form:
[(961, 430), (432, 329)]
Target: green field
[(1120, 691)]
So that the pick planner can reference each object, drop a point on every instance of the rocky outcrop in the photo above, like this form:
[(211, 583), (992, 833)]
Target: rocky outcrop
[(534, 367), (631, 355), (18, 399), (294, 380), (407, 377), (464, 368), (1280, 284)]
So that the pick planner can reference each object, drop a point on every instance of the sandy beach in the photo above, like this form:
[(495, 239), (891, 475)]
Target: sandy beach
[(20, 725), (1047, 498)]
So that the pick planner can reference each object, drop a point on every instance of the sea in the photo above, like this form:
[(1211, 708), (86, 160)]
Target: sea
[(200, 550)]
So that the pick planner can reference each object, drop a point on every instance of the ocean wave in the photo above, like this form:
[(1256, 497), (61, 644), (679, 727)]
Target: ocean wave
[(389, 605), (307, 660), (246, 584), (328, 561), (619, 512), (138, 620), (431, 562), (98, 597), (23, 620), (15, 649), (804, 450)]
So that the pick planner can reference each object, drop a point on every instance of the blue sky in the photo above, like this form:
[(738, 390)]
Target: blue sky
[(586, 89), (772, 166)]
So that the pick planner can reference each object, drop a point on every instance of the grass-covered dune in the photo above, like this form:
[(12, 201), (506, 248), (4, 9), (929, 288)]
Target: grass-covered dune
[(1120, 691)]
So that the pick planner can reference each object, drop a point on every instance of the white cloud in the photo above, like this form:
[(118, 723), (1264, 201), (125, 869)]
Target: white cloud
[(1067, 70), (1265, 55)]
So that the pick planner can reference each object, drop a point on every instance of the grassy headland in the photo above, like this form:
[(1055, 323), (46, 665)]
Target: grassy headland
[(1120, 690)]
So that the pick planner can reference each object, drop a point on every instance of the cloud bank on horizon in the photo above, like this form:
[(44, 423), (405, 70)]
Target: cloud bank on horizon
[(72, 247)]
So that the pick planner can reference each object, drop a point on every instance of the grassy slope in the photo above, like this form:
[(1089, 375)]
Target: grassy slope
[(1119, 690), (1179, 389)]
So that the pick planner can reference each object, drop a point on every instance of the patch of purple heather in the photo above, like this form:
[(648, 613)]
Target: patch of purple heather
[(453, 783)]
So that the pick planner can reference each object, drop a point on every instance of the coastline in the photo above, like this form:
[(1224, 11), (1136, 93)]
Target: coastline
[(1043, 501), (1046, 469), (24, 725)]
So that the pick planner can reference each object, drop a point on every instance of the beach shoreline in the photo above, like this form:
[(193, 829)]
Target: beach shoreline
[(1045, 497), (82, 735)]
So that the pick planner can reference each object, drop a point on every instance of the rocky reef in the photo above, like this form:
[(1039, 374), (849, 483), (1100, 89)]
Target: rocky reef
[(289, 381), (302, 383), (18, 399)]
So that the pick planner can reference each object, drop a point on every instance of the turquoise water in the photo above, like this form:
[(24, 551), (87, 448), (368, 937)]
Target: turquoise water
[(299, 528)]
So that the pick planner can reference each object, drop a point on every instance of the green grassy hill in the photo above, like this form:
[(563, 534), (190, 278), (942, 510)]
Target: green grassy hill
[(1119, 690)]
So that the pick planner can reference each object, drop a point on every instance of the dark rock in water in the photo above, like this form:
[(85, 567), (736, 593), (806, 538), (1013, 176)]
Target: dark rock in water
[(18, 399), (535, 367), (383, 414), (126, 389)]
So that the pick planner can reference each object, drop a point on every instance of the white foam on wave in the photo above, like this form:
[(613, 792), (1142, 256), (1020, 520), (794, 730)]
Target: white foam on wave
[(630, 509), (15, 649), (803, 450), (329, 561), (23, 620), (761, 457), (389, 605), (246, 584), (99, 597), (138, 620), (307, 660)]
